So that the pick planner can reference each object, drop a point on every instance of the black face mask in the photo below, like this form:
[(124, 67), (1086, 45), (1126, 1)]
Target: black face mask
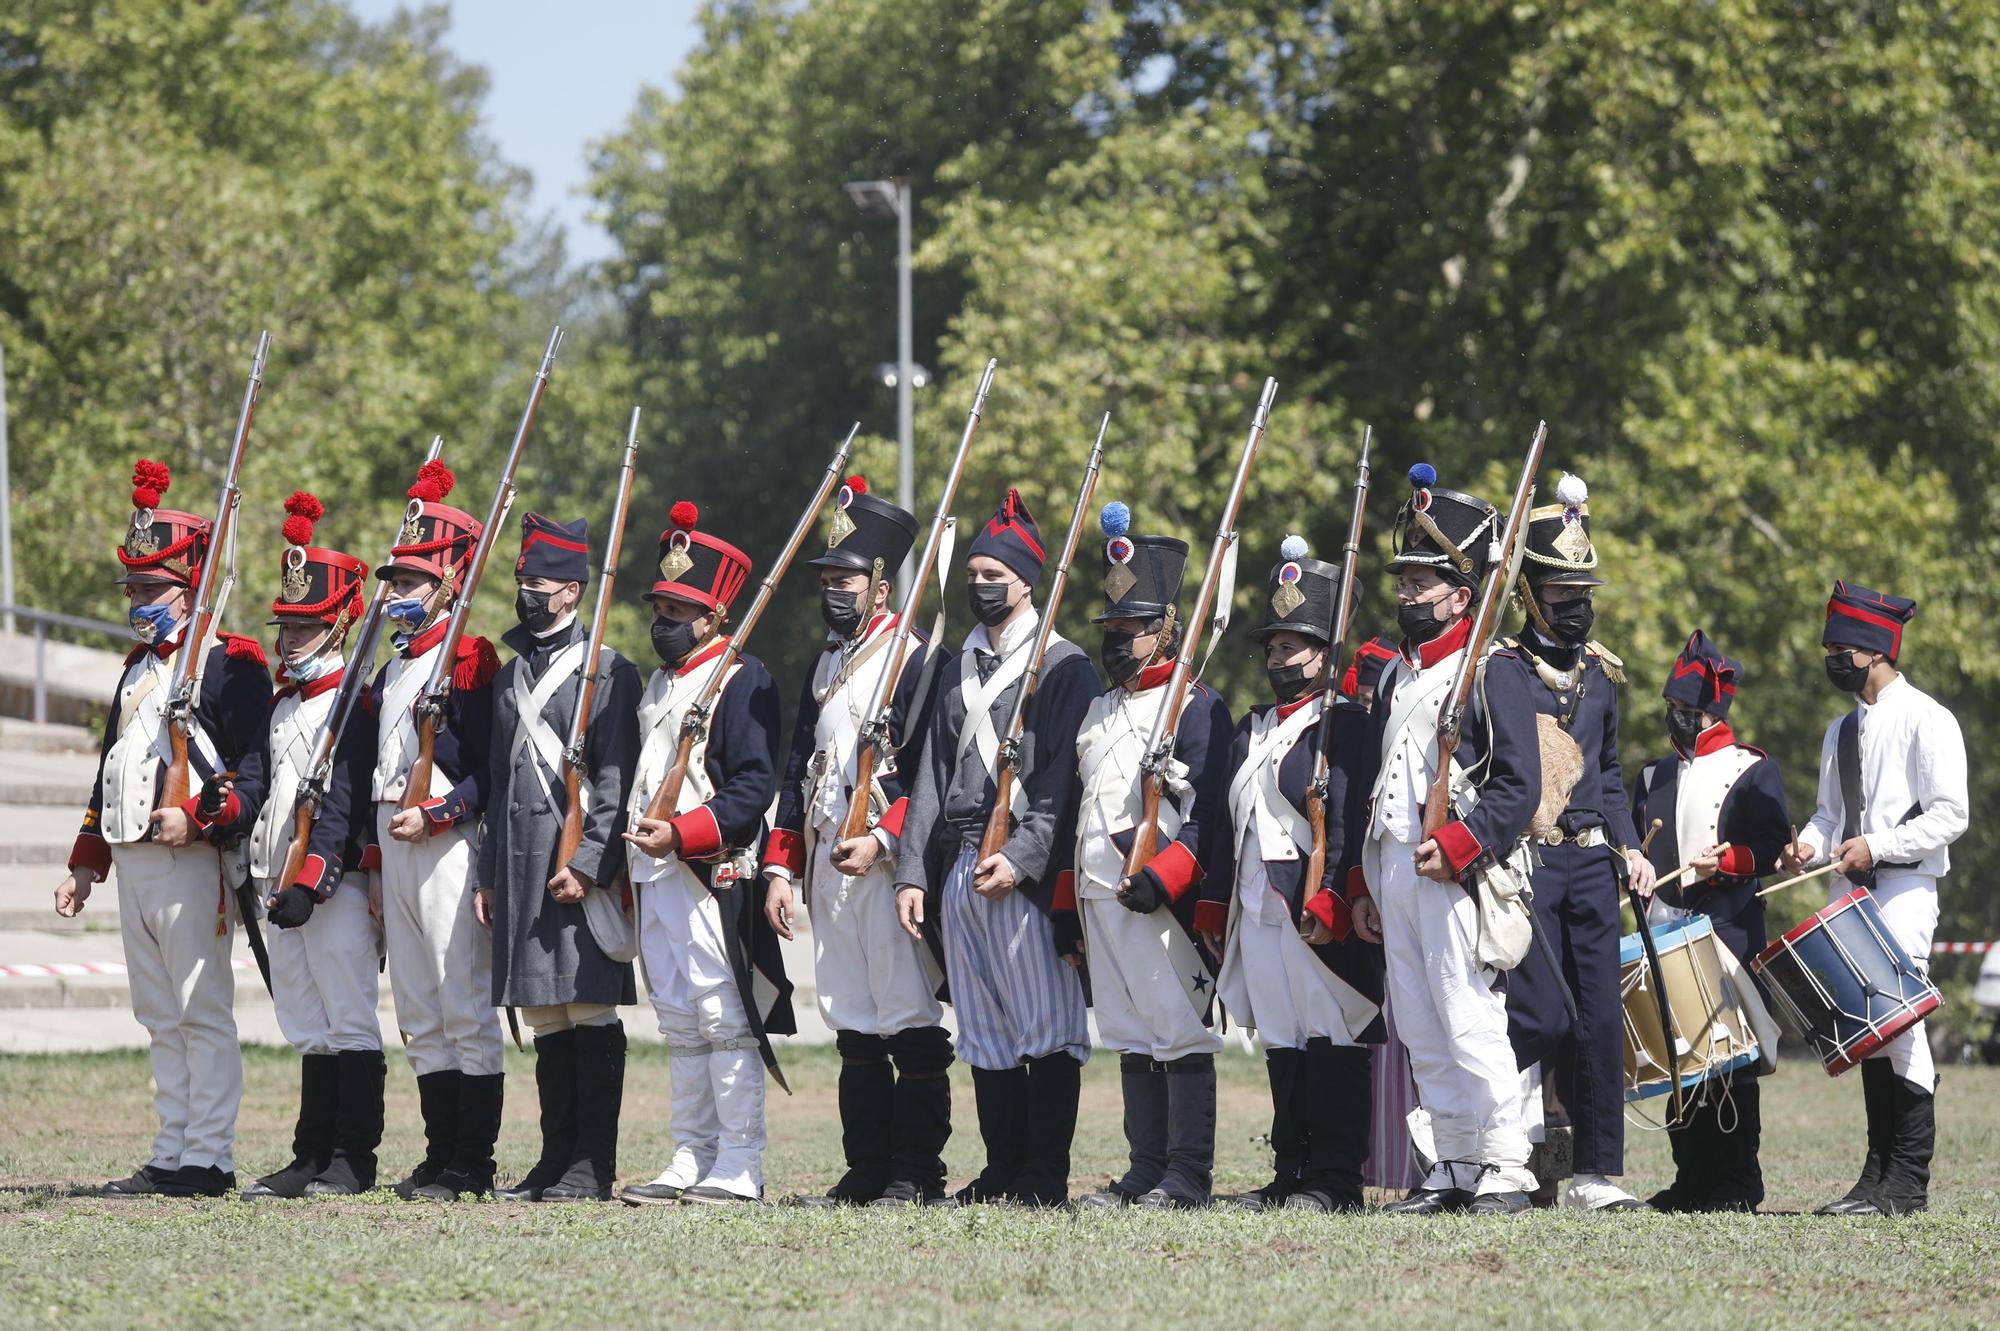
[(1419, 622), (1570, 621), (1846, 676), (1119, 660), (532, 609), (672, 640), (988, 601), (1288, 682), (840, 610), (1684, 726)]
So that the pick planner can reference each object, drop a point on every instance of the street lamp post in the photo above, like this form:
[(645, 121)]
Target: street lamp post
[(886, 198)]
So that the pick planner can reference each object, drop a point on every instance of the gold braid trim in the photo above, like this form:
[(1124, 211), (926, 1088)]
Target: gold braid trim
[(1614, 669), (1457, 556)]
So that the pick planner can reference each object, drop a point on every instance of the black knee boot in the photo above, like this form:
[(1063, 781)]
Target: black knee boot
[(357, 1128), (1736, 1128), (470, 1173), (1337, 1105), (599, 1094), (312, 1135), (1878, 1096), (1190, 1087), (921, 1124), (1054, 1082), (1288, 1140), (867, 1099), (1906, 1174), (555, 1088), (437, 1100), (1001, 1098)]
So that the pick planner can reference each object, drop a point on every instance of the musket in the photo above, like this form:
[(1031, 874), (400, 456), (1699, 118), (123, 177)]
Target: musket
[(1316, 791), (586, 689), (694, 722), (1499, 580), (874, 745), (218, 576), (1007, 761), (353, 687), (1160, 748), (431, 702)]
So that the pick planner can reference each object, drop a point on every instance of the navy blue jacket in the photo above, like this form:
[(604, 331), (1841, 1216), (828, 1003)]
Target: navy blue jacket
[(1753, 820), (1590, 717), (344, 832), (463, 741)]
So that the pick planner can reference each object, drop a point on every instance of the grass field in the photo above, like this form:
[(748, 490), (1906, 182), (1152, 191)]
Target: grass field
[(77, 1261)]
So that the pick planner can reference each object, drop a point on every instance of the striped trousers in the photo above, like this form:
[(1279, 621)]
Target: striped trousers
[(1015, 998)]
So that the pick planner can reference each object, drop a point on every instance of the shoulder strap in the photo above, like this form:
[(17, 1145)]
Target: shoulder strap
[(1848, 746)]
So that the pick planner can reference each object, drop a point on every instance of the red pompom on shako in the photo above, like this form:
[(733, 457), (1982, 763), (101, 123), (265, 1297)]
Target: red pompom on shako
[(315, 583), (695, 566), (436, 538), (161, 544)]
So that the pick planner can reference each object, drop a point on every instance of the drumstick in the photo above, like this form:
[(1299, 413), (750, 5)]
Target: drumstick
[(1647, 840), (1673, 879), (1795, 880)]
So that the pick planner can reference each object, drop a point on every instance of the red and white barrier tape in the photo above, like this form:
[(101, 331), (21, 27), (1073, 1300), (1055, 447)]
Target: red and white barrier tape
[(1948, 949), (35, 970)]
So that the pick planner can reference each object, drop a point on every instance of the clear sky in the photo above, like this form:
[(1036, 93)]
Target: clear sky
[(563, 72)]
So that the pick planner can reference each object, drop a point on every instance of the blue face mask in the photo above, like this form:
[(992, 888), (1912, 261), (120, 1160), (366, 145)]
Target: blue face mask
[(407, 613), (152, 623)]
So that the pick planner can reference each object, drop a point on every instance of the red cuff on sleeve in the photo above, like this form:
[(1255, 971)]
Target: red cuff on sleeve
[(1738, 862), (1460, 847), (371, 860), (1176, 868), (1211, 917), (312, 872), (787, 850), (435, 815), (700, 836), (892, 820), (1330, 911), (91, 852), (1357, 885), (231, 808), (1065, 894)]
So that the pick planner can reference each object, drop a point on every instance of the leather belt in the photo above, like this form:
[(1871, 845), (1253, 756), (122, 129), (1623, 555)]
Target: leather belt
[(1589, 836)]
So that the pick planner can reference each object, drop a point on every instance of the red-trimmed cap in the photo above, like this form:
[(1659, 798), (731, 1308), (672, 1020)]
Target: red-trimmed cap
[(161, 544), (315, 582), (436, 538), (694, 566), (1870, 620)]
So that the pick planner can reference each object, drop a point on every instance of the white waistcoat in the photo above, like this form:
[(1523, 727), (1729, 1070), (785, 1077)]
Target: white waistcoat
[(1269, 829), (296, 723), (403, 682), (1109, 747), (666, 701), (1702, 786), (1409, 750), (132, 767), (844, 695)]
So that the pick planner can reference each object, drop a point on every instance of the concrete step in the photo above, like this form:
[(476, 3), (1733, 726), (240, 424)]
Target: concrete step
[(47, 778), (17, 736)]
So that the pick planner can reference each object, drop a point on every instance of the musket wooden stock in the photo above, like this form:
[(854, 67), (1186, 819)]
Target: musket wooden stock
[(694, 724), (999, 823), (571, 835), (1499, 578), (856, 822), (430, 704), (1160, 748), (1330, 674)]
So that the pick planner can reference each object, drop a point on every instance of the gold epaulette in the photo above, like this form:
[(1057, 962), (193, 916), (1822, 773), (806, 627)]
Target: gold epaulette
[(1614, 669)]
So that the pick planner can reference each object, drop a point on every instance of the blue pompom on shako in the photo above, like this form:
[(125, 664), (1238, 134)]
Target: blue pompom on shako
[(1447, 531), (1702, 677), (1857, 616), (1142, 574)]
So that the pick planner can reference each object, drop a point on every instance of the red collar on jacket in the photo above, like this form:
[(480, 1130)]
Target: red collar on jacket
[(705, 655), (1443, 645), (427, 639), (1285, 709), (1152, 676), (312, 688), (1717, 736)]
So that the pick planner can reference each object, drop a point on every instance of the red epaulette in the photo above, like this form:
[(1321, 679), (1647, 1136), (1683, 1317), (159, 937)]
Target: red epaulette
[(244, 649), (137, 652), (476, 665)]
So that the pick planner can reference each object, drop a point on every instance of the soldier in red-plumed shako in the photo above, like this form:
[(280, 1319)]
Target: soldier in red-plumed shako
[(174, 905), (1721, 807), (877, 987), (712, 965), (1007, 922), (1576, 877), (325, 943), (548, 959), (1150, 983), (1293, 968), (440, 959)]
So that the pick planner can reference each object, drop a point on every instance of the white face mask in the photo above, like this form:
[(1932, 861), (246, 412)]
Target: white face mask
[(313, 665)]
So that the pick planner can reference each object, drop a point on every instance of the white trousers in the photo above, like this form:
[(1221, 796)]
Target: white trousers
[(1140, 970), (1909, 903), (1292, 996), (717, 1109), (869, 973), (1452, 1018), (177, 935), (324, 978), (440, 959)]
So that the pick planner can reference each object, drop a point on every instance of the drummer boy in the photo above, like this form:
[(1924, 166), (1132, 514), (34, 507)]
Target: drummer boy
[(1892, 799), (1720, 805)]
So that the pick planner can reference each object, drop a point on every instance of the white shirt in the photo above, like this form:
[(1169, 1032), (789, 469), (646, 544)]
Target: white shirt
[(1912, 753)]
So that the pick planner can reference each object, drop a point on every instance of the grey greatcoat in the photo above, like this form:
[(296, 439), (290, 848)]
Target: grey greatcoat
[(543, 951)]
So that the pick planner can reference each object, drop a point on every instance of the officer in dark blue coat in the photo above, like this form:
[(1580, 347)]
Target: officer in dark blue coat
[(1721, 807), (1576, 879)]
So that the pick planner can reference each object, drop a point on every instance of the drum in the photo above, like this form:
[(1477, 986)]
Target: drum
[(1849, 987), (1713, 1034)]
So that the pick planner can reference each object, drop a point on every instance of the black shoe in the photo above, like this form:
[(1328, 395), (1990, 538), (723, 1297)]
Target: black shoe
[(1726, 1206), (1159, 1199), (437, 1100), (1270, 1197), (707, 1194), (1111, 1199), (1674, 1201), (1430, 1201), (574, 1192), (1854, 1203), (650, 1194), (452, 1186), (414, 1182), (1324, 1203), (828, 1201), (143, 1182), (903, 1193), (518, 1192), (1513, 1203), (198, 1181), (312, 1136)]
